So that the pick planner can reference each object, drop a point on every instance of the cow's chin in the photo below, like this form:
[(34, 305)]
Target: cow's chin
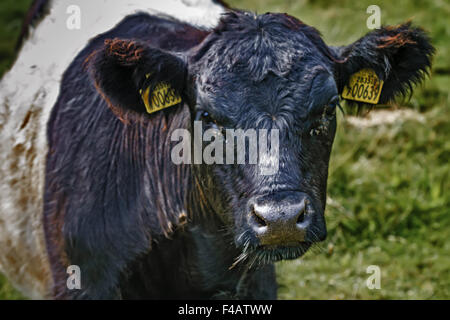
[(278, 253), (269, 254), (259, 255)]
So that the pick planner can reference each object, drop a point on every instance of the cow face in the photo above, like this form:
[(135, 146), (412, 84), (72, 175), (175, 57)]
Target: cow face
[(264, 74), (272, 76)]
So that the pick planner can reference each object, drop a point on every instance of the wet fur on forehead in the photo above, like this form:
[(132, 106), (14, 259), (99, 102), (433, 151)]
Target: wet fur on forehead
[(257, 45)]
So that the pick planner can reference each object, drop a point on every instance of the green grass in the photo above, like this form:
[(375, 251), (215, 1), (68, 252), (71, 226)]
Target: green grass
[(388, 206), (409, 270), (11, 16), (7, 292), (389, 184)]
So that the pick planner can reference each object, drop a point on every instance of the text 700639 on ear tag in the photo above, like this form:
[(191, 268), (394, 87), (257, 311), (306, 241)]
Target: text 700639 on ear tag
[(162, 97), (364, 86)]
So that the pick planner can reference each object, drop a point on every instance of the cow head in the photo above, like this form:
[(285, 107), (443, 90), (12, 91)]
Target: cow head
[(272, 74)]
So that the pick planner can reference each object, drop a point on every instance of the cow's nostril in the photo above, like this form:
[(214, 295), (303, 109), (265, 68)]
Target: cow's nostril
[(259, 220), (301, 217)]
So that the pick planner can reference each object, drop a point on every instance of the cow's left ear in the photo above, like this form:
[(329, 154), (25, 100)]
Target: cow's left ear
[(128, 73), (400, 56)]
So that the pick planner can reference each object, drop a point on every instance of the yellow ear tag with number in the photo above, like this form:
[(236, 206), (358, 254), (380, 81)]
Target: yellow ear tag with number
[(162, 97), (364, 86)]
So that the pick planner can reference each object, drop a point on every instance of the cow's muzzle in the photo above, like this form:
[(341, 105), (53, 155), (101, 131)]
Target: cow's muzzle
[(285, 219)]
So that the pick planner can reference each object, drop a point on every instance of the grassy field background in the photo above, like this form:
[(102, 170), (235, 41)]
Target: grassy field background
[(388, 197)]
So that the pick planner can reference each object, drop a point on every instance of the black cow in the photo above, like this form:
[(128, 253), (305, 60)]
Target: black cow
[(139, 226)]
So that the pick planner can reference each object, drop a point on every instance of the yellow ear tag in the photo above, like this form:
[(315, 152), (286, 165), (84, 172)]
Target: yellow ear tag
[(163, 96), (364, 86)]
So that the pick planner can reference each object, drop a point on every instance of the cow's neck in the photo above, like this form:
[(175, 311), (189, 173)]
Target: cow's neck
[(196, 262), (210, 257), (211, 251), (193, 264), (213, 256)]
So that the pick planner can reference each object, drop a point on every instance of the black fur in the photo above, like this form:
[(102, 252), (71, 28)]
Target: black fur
[(131, 61), (105, 178), (140, 226)]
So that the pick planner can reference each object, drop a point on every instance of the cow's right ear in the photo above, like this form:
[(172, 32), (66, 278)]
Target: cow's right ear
[(123, 70)]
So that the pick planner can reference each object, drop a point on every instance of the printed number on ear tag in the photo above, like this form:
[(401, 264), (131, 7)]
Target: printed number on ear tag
[(364, 86), (162, 97)]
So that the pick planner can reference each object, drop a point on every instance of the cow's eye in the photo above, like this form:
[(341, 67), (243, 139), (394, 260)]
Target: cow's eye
[(330, 108), (207, 119), (206, 116), (203, 116), (320, 125)]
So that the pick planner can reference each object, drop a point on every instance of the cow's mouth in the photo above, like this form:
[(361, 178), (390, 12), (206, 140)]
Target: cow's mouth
[(278, 253), (263, 254)]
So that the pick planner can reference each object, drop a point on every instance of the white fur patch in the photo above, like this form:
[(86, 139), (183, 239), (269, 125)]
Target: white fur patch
[(27, 94)]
